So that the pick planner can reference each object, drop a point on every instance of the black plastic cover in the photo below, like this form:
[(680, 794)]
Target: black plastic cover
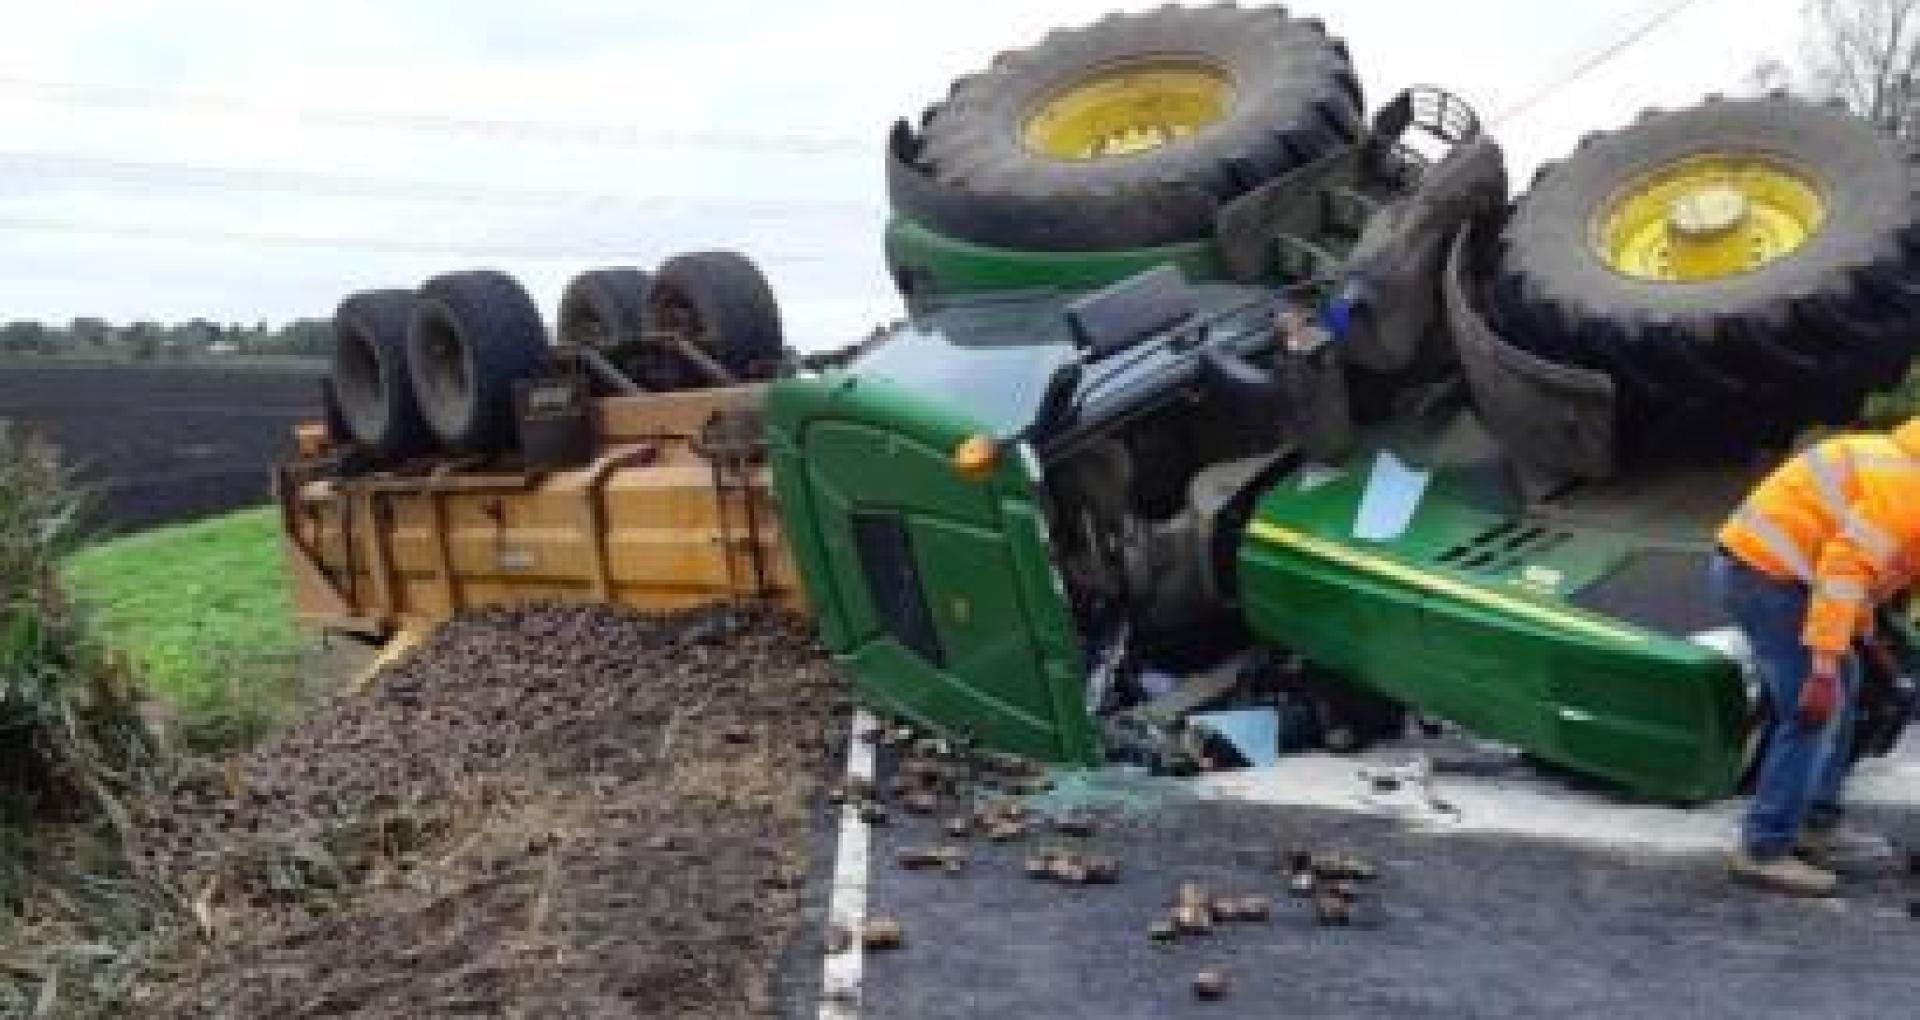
[(1115, 318), (555, 427), (893, 582)]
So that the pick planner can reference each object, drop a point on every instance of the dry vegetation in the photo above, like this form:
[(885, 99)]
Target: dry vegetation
[(547, 811), (74, 751)]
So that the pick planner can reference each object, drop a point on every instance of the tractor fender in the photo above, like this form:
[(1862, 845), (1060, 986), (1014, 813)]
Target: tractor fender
[(1555, 420)]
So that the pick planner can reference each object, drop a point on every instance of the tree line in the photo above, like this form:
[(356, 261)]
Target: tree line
[(1865, 53), (153, 341)]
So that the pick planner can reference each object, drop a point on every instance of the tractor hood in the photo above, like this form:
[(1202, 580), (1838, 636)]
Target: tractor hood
[(1570, 626)]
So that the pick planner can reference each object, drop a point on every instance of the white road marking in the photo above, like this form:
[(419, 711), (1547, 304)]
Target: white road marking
[(847, 904), (1517, 800)]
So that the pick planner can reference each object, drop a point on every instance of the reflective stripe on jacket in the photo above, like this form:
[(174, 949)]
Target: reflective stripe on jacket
[(1842, 518)]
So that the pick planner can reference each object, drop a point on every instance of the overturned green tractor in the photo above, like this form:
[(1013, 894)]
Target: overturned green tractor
[(1211, 377)]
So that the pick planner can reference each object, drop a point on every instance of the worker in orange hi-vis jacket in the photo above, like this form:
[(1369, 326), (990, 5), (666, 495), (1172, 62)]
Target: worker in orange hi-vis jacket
[(1802, 564)]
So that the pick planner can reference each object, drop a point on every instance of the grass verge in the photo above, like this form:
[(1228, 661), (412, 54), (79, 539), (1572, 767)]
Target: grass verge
[(201, 613)]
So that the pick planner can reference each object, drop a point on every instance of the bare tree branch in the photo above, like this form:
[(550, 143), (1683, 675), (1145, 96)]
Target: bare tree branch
[(1865, 53)]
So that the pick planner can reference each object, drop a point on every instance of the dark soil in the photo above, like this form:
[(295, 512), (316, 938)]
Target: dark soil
[(164, 444), (542, 812)]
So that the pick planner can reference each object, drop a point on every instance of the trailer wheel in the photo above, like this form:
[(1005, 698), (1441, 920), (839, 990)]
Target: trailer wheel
[(371, 380), (603, 307), (474, 334), (1740, 268), (720, 304), (338, 432), (1128, 132), (606, 309)]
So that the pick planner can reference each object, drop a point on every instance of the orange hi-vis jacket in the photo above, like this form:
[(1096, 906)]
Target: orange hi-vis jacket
[(1842, 518)]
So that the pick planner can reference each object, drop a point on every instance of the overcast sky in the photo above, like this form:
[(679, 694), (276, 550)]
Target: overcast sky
[(249, 160)]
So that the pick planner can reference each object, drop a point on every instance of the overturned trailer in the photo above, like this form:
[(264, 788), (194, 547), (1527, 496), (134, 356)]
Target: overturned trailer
[(671, 511)]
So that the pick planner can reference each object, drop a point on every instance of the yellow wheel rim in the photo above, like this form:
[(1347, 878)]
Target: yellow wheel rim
[(1708, 217), (1128, 109)]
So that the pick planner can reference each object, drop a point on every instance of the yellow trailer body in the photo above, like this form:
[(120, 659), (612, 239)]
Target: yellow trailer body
[(674, 511)]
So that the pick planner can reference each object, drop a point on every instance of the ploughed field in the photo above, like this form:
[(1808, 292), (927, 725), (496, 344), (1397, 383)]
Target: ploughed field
[(163, 444)]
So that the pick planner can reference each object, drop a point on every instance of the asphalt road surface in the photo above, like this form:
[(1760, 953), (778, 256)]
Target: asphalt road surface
[(1460, 924)]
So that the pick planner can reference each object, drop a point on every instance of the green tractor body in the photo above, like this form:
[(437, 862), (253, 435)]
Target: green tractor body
[(935, 593), (931, 262), (1207, 378), (973, 605), (1572, 643)]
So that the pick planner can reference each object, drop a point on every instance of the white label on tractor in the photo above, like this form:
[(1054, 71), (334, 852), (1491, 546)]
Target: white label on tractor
[(515, 558), (1541, 578), (1030, 462), (1314, 476)]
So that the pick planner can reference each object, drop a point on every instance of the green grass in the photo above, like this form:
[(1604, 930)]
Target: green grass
[(201, 611)]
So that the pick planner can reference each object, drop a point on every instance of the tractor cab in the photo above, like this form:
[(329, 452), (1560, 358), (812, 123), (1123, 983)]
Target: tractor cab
[(1216, 386), (1063, 525), (963, 513)]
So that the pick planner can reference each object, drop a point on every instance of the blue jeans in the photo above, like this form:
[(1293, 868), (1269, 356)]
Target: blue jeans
[(1802, 769)]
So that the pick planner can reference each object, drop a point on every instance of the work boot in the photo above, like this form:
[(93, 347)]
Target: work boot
[(1843, 848), (1786, 873)]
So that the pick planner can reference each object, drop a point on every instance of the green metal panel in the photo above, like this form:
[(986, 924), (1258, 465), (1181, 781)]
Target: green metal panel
[(1009, 669), (1491, 642), (951, 266)]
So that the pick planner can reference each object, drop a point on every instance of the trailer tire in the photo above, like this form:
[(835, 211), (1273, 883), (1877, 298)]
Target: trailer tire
[(1746, 355), (719, 302), (1014, 156), (607, 309), (332, 419), (371, 379), (474, 334), (603, 307)]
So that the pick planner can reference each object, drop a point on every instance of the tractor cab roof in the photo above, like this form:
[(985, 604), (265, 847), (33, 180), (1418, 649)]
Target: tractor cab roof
[(998, 355)]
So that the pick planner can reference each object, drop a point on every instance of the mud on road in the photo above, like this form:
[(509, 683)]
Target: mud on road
[(541, 812), (1456, 925)]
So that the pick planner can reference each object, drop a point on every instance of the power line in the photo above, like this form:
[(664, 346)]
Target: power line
[(424, 121), (475, 248), (1582, 69), (305, 182)]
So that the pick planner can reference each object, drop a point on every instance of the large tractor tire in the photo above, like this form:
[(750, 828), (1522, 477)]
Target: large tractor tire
[(473, 335), (371, 384), (1127, 133), (1741, 269), (719, 303)]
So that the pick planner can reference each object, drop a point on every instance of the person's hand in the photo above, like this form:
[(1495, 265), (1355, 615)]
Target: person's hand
[(1819, 697)]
